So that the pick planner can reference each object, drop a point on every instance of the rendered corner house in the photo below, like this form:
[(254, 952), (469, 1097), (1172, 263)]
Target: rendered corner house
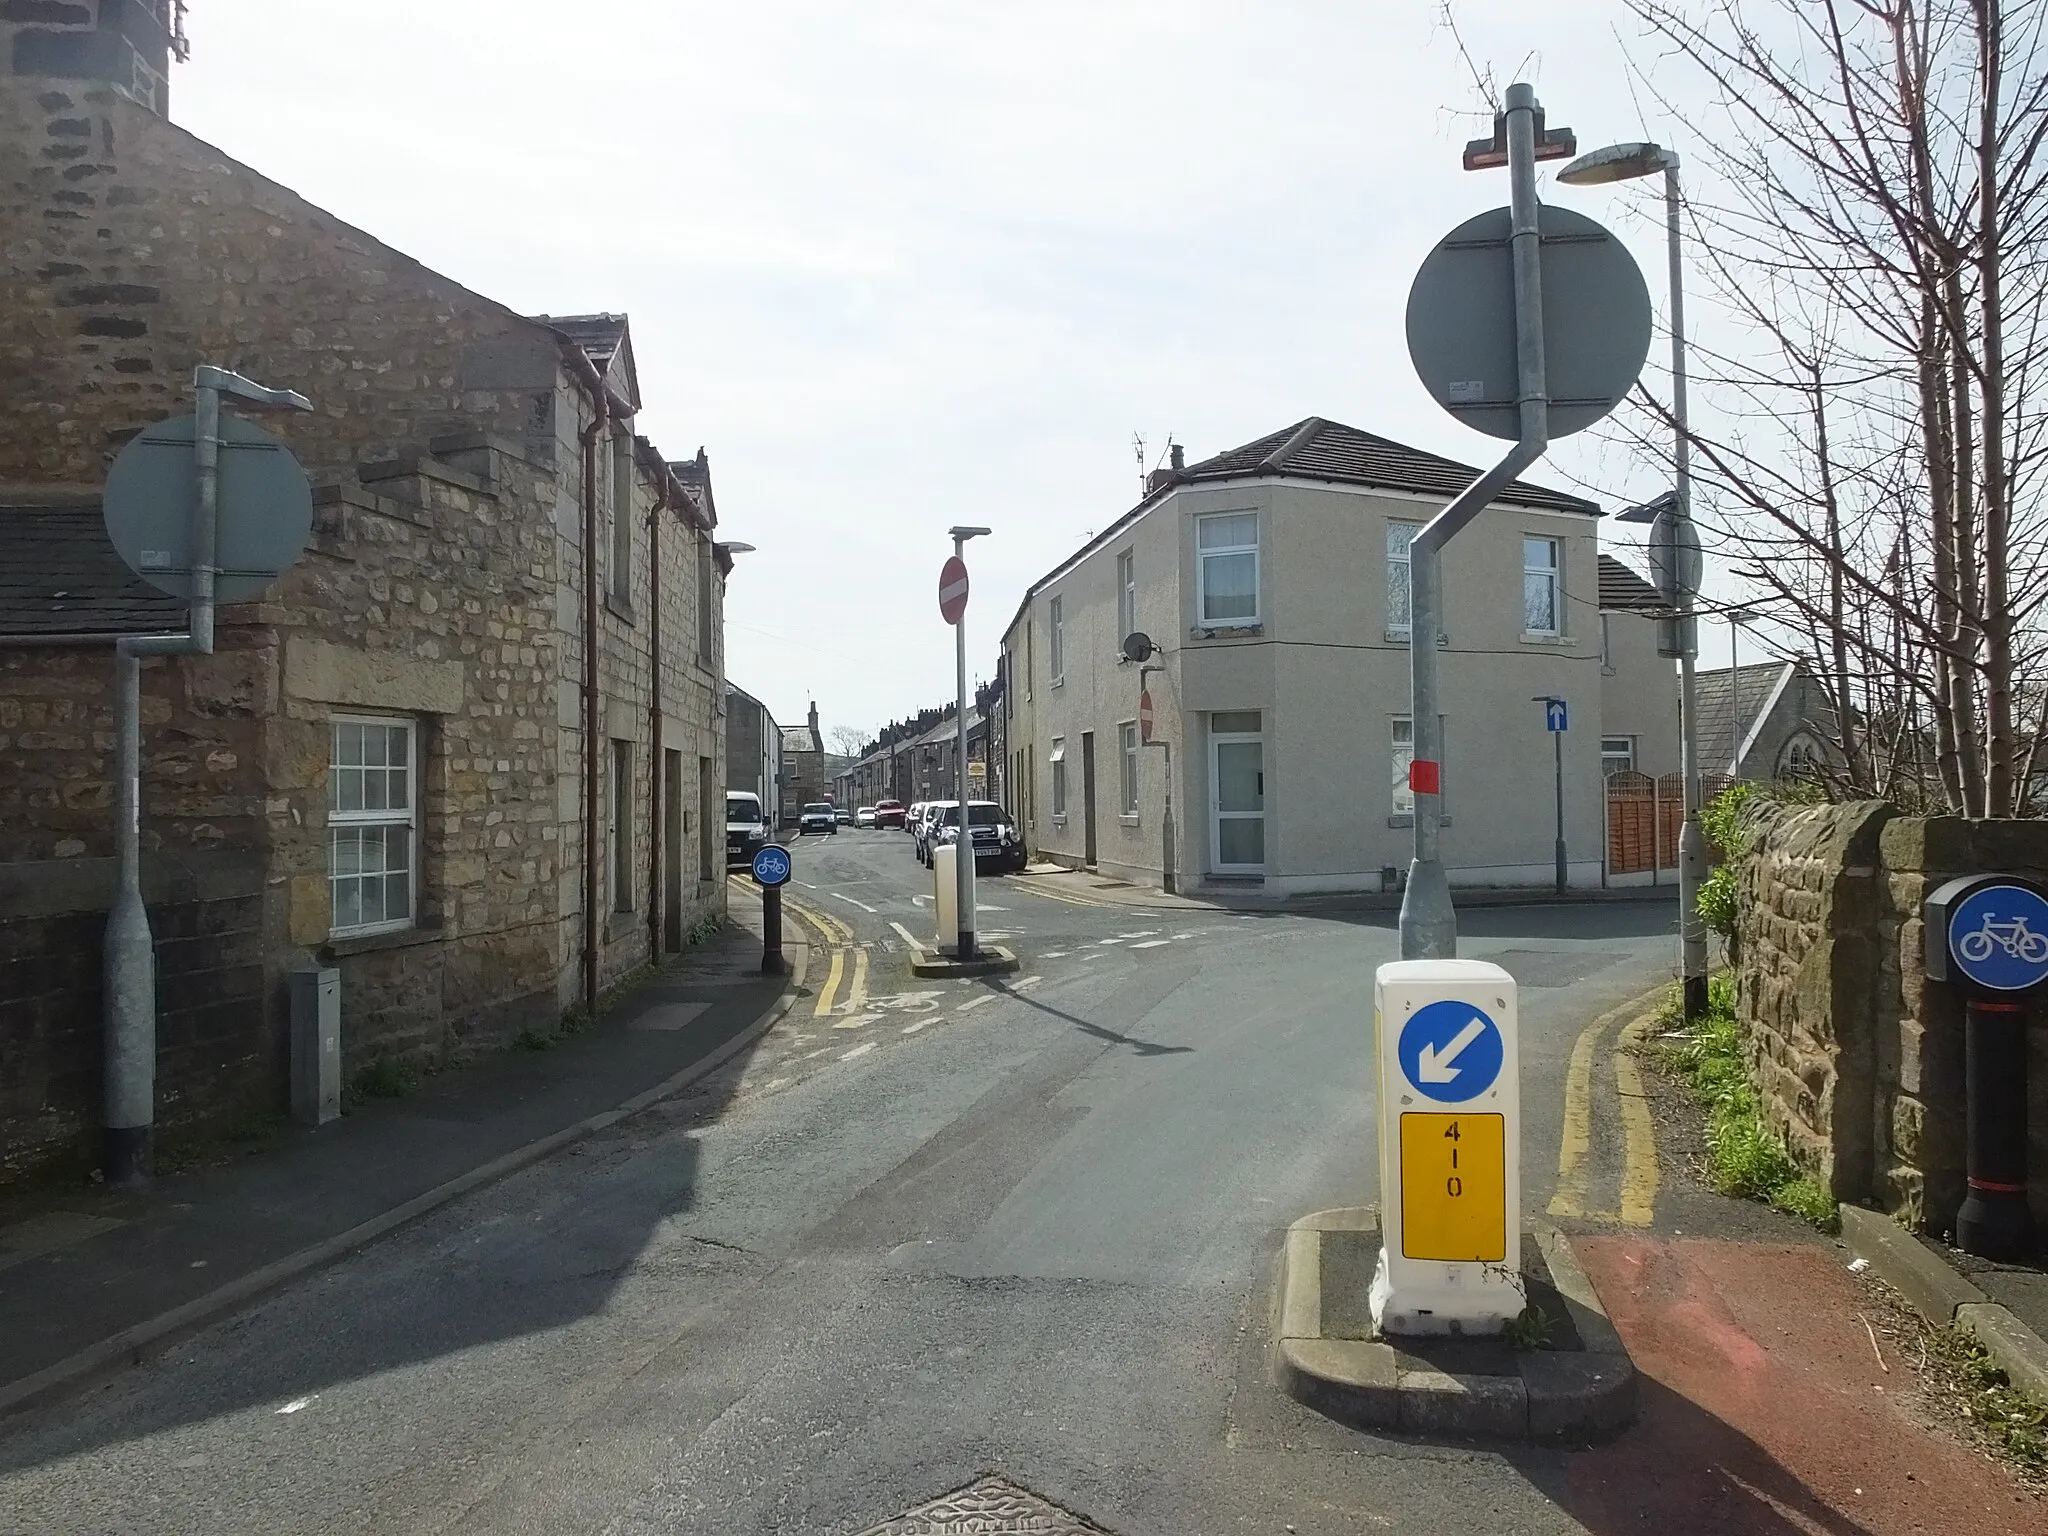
[(469, 751), (1274, 581)]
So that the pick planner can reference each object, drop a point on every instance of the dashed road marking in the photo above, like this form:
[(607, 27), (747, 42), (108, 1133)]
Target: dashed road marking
[(856, 1022), (1105, 943), (1142, 933), (908, 937), (859, 1050), (1152, 944), (1025, 981), (974, 1002), (911, 1029), (848, 899)]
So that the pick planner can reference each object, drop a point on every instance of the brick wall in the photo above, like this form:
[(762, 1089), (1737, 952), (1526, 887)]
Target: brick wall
[(1858, 1059)]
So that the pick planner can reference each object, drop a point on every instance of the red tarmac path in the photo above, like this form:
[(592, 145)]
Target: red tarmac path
[(1764, 1408)]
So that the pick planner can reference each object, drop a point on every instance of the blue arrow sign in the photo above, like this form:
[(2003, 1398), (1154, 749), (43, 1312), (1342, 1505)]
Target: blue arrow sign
[(1554, 714), (771, 865), (1450, 1052), (1999, 937)]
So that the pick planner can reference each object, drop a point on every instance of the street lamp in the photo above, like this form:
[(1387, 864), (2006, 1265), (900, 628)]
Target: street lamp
[(1677, 539), (963, 847)]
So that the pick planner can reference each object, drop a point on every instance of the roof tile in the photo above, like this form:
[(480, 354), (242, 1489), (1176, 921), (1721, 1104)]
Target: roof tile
[(59, 575)]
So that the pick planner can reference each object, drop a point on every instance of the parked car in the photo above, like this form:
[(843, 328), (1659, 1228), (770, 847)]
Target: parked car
[(997, 838), (911, 818), (746, 826), (889, 813), (843, 814), (817, 817), (864, 816), (921, 834)]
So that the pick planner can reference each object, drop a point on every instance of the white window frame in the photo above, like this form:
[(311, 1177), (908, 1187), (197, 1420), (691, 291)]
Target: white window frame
[(1552, 574), (1058, 759), (1400, 561), (1403, 798), (1204, 555), (408, 818), (1611, 752), (1056, 639), (1126, 594), (1127, 767)]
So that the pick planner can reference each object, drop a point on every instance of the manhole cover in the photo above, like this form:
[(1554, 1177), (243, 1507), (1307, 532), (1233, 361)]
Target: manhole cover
[(994, 1506)]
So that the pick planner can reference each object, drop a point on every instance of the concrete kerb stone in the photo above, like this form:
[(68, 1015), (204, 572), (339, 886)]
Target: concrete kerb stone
[(2018, 1350), (1548, 1395), (130, 1344), (993, 960)]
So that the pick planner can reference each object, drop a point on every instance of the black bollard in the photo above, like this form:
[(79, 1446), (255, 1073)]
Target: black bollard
[(1993, 1222), (771, 930)]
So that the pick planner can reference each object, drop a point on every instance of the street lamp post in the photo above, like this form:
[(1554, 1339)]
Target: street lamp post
[(963, 847), (1676, 535), (1737, 617)]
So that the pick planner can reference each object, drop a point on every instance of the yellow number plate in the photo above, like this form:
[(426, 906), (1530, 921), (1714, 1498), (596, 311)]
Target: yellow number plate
[(1454, 1187)]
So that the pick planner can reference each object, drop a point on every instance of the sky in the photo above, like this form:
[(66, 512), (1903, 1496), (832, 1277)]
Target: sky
[(901, 264)]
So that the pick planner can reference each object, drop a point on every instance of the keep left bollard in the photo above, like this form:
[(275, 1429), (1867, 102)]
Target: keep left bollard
[(771, 872), (1450, 1126)]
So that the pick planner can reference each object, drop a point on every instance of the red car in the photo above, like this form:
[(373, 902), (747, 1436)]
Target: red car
[(889, 813)]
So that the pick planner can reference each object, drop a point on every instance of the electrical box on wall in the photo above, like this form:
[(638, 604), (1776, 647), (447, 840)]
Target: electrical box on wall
[(316, 1045)]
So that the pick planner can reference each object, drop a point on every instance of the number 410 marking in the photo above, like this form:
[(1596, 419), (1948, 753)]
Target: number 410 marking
[(1453, 1185)]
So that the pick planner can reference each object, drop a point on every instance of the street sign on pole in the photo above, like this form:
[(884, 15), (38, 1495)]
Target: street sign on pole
[(953, 589), (1596, 322), (771, 872), (1145, 716), (1554, 714), (264, 516), (1449, 1144)]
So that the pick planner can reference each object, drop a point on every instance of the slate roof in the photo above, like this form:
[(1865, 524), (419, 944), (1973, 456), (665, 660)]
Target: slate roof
[(1758, 684), (801, 738), (59, 575), (1621, 587), (598, 335), (1316, 449)]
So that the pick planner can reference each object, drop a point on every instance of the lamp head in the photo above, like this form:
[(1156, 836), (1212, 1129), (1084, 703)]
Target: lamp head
[(1617, 162)]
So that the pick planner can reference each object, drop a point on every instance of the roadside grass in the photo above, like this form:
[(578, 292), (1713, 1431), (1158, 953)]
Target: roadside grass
[(1529, 1331), (2010, 1419), (1744, 1158)]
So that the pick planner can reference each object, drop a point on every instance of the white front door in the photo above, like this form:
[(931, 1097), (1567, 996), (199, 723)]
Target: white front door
[(1237, 785)]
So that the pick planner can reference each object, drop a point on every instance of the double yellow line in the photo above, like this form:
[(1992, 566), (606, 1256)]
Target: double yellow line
[(848, 965), (1069, 899), (1640, 1178)]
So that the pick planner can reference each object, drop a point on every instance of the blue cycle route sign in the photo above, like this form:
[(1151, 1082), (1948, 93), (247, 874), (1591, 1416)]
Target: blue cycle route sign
[(771, 865), (1998, 935), (1450, 1051)]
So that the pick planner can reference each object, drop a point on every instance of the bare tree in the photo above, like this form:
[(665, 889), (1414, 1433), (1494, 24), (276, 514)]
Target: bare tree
[(1874, 225), (849, 740)]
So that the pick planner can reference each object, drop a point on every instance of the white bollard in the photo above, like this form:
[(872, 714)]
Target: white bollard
[(946, 895), (1450, 1112)]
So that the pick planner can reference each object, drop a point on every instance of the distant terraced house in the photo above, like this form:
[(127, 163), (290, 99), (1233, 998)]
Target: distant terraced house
[(469, 751)]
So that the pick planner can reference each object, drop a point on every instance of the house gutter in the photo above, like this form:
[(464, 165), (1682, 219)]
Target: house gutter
[(592, 802), (657, 783)]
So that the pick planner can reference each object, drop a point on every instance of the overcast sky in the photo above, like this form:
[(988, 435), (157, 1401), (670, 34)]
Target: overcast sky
[(899, 264)]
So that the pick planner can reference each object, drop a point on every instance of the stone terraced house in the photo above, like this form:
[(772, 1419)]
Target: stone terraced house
[(447, 753)]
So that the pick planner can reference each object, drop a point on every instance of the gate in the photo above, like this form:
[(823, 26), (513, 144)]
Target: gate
[(1633, 817)]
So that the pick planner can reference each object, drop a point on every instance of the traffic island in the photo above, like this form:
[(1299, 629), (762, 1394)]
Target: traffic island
[(989, 960), (1574, 1382)]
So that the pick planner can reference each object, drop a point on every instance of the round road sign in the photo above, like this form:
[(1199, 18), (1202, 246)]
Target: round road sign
[(1461, 322), (1145, 715), (1450, 1051), (953, 589), (771, 865), (264, 518), (1999, 937)]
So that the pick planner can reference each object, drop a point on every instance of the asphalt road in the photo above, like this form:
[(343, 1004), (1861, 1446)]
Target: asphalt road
[(925, 1230)]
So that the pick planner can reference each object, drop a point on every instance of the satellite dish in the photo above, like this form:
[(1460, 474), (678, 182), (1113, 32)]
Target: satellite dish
[(1138, 646)]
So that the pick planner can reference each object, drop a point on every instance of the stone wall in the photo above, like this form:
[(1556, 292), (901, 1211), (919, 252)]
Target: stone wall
[(1858, 1059)]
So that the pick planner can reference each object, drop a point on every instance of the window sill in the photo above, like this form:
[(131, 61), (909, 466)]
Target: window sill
[(342, 946), (1059, 820), (1400, 820), (618, 607), (1127, 821), (1532, 637), (1058, 682), (1228, 631)]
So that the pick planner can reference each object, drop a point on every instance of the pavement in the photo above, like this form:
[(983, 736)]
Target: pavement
[(996, 1249)]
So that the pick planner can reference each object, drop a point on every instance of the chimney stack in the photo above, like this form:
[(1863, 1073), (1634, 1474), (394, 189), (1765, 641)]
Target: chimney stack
[(1180, 457)]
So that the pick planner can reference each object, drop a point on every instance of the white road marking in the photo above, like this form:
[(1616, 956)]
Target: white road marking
[(856, 1021), (1183, 935), (980, 906), (775, 1083), (844, 897), (296, 1404), (1105, 943), (907, 1002), (974, 1002), (911, 1029), (820, 1051), (1152, 944), (921, 901), (1023, 982), (908, 937), (859, 1050), (1142, 933)]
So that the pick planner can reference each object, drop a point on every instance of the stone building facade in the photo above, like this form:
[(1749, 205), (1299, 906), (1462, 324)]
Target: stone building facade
[(1857, 1058), (390, 762)]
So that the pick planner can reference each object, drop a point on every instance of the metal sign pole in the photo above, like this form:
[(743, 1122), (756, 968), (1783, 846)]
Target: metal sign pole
[(128, 958), (1429, 923), (963, 849)]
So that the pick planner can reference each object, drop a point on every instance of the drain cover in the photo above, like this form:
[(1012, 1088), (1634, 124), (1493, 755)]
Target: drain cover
[(993, 1506)]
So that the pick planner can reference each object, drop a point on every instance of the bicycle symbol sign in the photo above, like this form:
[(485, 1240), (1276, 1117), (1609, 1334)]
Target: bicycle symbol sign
[(1999, 937)]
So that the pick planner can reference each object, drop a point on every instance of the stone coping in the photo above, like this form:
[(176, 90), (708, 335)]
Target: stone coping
[(1581, 1389)]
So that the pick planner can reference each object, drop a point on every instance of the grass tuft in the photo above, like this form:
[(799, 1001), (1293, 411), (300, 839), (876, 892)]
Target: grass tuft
[(1529, 1331)]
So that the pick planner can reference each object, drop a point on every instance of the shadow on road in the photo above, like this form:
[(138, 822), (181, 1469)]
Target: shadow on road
[(1138, 1047)]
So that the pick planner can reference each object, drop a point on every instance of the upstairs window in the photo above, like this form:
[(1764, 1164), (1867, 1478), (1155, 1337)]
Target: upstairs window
[(1399, 537), (372, 824), (1227, 548), (1056, 648), (1541, 609), (1126, 595)]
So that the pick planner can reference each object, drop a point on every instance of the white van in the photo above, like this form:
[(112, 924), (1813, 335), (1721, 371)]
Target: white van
[(746, 827)]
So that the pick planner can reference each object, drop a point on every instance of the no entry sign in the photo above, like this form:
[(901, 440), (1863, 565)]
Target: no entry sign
[(953, 589), (1145, 715)]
